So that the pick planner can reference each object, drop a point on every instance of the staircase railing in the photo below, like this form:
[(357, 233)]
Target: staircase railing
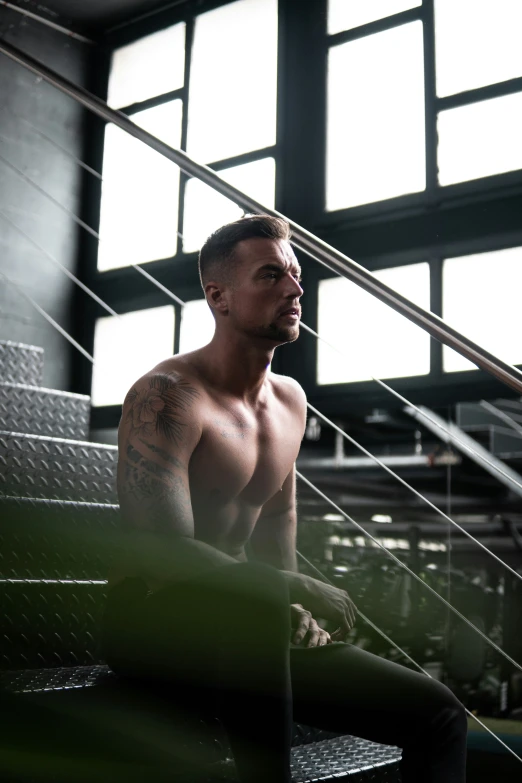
[(302, 239)]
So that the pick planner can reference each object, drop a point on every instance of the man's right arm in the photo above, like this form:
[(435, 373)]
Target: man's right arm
[(159, 430)]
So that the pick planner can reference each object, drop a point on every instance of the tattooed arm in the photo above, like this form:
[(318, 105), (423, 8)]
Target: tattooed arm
[(159, 430)]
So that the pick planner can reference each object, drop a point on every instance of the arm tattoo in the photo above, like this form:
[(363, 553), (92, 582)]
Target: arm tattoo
[(157, 409), (164, 454), (166, 493)]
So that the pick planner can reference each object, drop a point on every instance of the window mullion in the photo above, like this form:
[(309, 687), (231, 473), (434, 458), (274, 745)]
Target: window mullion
[(430, 96), (189, 41)]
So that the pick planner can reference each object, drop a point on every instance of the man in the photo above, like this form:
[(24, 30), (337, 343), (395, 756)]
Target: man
[(207, 447)]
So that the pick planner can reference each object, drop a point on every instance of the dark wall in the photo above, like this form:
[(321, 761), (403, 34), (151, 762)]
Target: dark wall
[(61, 119)]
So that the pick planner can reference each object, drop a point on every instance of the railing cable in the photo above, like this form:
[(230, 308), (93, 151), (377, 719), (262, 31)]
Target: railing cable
[(409, 658), (384, 385), (408, 569)]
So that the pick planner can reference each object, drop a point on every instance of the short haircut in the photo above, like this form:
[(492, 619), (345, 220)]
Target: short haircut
[(217, 256)]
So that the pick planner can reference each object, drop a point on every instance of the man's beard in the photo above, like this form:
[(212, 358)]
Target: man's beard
[(274, 331)]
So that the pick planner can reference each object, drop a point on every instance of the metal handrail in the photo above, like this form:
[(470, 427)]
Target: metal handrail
[(302, 239)]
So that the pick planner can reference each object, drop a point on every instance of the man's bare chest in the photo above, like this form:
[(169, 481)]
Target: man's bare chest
[(244, 457)]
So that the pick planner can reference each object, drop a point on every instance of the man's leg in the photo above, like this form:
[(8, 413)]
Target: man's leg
[(226, 632), (340, 687)]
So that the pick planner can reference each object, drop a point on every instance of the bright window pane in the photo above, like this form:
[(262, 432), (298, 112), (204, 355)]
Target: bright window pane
[(233, 81), (477, 43), (127, 347), (375, 133), (481, 299), (206, 210), (377, 340), (480, 139), (151, 66), (140, 192), (197, 326), (346, 14)]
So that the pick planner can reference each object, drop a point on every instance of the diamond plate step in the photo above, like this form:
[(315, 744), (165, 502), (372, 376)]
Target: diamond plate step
[(50, 622), (323, 756), (57, 539), (20, 363), (56, 468), (39, 411)]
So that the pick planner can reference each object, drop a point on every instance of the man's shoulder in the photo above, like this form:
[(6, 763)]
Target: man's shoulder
[(289, 389), (178, 369), (172, 377)]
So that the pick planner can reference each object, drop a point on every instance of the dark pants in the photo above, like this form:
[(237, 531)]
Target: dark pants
[(228, 632)]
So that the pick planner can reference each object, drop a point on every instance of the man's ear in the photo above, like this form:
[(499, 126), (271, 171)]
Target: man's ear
[(216, 294)]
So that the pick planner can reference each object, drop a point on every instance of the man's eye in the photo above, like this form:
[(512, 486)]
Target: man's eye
[(271, 274)]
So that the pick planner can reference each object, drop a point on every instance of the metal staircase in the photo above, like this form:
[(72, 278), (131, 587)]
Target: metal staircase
[(59, 529)]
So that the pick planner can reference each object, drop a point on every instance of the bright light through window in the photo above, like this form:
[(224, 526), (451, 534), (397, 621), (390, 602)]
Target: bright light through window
[(140, 192), (233, 81), (375, 132), (127, 347), (346, 14), (481, 299), (480, 139), (478, 42), (377, 340), (197, 326), (206, 210), (148, 67)]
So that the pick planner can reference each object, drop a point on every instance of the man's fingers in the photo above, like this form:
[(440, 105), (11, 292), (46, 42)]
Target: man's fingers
[(302, 628), (315, 633)]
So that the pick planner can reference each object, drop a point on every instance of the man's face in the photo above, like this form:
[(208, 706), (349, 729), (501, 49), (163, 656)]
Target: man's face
[(266, 284)]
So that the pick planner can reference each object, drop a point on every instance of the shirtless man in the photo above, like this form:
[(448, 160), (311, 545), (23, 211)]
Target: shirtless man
[(207, 447)]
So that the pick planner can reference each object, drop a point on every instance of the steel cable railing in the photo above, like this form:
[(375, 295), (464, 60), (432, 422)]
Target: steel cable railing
[(179, 301), (365, 532), (311, 407), (382, 296), (387, 551), (345, 435), (304, 240), (171, 295)]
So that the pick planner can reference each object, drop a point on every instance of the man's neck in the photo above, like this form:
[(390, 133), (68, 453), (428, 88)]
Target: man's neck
[(238, 366)]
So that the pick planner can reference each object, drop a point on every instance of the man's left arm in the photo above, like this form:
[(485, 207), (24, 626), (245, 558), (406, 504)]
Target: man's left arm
[(273, 539)]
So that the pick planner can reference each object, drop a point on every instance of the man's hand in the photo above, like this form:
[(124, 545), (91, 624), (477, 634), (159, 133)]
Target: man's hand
[(303, 623)]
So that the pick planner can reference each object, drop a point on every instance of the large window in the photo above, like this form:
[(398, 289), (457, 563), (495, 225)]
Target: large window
[(384, 83), (345, 15), (126, 347), (235, 48), (480, 139), (375, 139), (206, 210), (481, 298), (375, 340), (218, 117), (149, 67), (389, 128), (477, 43), (139, 215), (197, 326)]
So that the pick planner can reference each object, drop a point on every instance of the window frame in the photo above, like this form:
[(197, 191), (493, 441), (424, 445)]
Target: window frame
[(441, 222)]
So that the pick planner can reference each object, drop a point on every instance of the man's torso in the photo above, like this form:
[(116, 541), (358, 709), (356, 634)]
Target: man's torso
[(240, 462)]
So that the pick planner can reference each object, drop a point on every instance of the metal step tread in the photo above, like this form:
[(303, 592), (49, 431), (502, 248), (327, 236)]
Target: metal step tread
[(21, 363), (36, 410), (317, 755), (42, 466)]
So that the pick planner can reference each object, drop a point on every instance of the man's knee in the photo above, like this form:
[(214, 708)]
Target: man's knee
[(444, 701), (266, 582)]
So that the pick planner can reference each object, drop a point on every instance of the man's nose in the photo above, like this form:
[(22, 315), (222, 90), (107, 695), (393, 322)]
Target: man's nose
[(294, 287)]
